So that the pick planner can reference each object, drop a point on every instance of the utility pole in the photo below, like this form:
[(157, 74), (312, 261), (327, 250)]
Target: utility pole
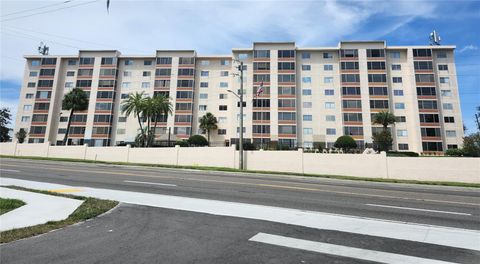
[(240, 68)]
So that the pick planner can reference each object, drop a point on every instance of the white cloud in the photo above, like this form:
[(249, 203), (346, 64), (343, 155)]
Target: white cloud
[(468, 48)]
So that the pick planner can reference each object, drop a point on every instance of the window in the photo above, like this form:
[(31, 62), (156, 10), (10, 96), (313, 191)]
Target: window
[(203, 96), (330, 118), (224, 62), (261, 78), (350, 78), (377, 78), (38, 129), (430, 132), (261, 103), (164, 60), (224, 73), (349, 53), (70, 73), (109, 61), (375, 53), (162, 83), (286, 54), (376, 65), (399, 105), (441, 54), (85, 72), (395, 55), (286, 66), (447, 93), (106, 83), (222, 107), (329, 92), (222, 96), (328, 67), (378, 104), (305, 55), (100, 118), (349, 65), (327, 55), (307, 104), (451, 133), (184, 94), (447, 106), (43, 94), (351, 90), (402, 146), (204, 73), (307, 131), (27, 107), (306, 79), (35, 63), (327, 79), (261, 54), (223, 84), (183, 106), (352, 117), (146, 73), (331, 131), (287, 116), (49, 61), (427, 104), (103, 106), (377, 91), (31, 85), (182, 130), (353, 131), (432, 146), (426, 91), (145, 85), (329, 105), (396, 67), (349, 104), (424, 78), (401, 133), (184, 83), (449, 119), (286, 78), (286, 102), (443, 67), (422, 52), (101, 130), (203, 84), (72, 62), (306, 67), (423, 65), (307, 117), (397, 79), (398, 92), (124, 96), (183, 118), (47, 72), (46, 83), (287, 130), (33, 74), (126, 85), (202, 107), (306, 92), (86, 61), (185, 72), (41, 106), (28, 96), (222, 131), (205, 62), (223, 119), (444, 79), (243, 56), (25, 119)]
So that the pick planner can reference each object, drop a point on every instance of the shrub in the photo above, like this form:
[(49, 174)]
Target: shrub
[(319, 145), (246, 146), (382, 141), (197, 141), (454, 152), (346, 143), (182, 143), (402, 154), (471, 145)]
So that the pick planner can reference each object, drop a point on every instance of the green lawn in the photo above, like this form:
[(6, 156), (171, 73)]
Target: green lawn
[(90, 208), (7, 205)]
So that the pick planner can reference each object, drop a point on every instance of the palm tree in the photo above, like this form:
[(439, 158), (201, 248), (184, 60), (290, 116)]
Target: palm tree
[(135, 104), (384, 118), (208, 122), (161, 106), (75, 100)]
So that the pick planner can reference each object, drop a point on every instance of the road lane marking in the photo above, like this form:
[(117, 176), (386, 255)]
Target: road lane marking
[(274, 186), (338, 250), (152, 183), (417, 209), (9, 170), (446, 236)]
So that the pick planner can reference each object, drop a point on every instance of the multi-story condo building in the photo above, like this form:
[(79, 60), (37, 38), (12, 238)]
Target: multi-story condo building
[(310, 95)]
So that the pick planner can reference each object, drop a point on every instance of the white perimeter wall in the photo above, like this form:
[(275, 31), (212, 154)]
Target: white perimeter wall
[(451, 169)]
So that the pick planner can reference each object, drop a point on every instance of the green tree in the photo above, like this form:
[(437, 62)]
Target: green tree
[(383, 141), (208, 122), (157, 107), (75, 100), (5, 117), (135, 104), (346, 143), (471, 145), (21, 135), (197, 141)]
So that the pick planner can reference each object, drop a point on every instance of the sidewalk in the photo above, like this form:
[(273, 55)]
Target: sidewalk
[(39, 209)]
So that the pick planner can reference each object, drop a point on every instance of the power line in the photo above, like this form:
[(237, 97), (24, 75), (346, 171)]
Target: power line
[(36, 38), (37, 8), (48, 11)]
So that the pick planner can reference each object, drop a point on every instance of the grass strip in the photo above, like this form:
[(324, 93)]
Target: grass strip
[(225, 169), (90, 208), (7, 205)]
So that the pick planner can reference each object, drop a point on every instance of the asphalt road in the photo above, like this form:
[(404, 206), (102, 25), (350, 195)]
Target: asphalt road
[(435, 205), (141, 234)]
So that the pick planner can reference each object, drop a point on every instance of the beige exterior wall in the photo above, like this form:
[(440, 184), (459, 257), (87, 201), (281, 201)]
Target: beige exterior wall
[(316, 110)]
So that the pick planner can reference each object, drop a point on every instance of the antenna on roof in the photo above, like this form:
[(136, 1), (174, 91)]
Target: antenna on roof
[(435, 39), (43, 49)]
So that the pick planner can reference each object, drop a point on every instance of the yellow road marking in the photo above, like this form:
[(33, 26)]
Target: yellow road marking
[(67, 190), (259, 185)]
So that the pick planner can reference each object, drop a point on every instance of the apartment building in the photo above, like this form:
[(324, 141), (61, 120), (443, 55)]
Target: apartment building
[(309, 95)]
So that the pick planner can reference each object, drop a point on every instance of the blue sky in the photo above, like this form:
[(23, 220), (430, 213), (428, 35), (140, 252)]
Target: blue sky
[(214, 27)]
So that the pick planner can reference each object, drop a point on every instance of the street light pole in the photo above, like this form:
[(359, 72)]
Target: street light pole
[(240, 67)]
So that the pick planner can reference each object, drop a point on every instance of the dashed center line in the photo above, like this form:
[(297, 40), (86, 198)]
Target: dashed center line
[(9, 170), (417, 209), (152, 183)]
